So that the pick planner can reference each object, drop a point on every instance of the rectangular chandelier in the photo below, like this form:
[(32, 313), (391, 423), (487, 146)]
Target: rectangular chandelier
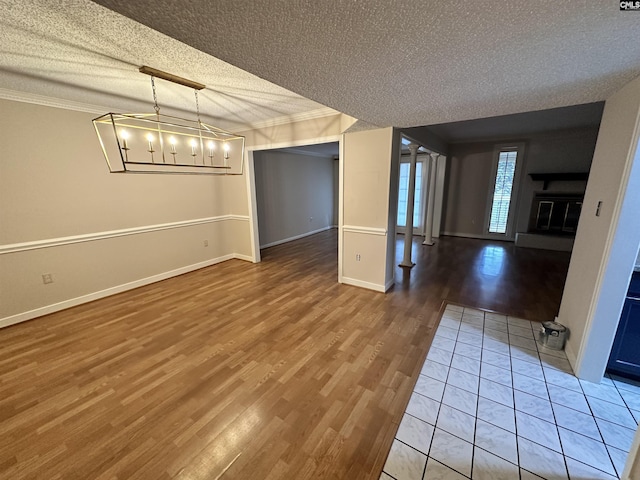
[(155, 143)]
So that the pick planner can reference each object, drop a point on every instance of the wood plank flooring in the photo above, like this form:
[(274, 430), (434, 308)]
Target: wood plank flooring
[(242, 371)]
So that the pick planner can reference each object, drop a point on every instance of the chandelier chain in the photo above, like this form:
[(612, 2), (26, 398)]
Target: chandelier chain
[(197, 106), (156, 107)]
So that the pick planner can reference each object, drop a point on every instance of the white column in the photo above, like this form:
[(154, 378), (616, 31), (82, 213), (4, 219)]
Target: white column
[(411, 196), (428, 237)]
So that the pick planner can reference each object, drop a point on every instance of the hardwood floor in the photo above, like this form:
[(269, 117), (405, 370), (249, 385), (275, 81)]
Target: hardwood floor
[(242, 371)]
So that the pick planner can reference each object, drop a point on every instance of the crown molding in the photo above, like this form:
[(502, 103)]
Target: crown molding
[(297, 117), (34, 98), (47, 101)]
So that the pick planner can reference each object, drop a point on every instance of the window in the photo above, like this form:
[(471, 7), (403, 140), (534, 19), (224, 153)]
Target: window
[(403, 194), (503, 190)]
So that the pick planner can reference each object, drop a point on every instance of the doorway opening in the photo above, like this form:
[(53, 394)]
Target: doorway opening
[(294, 194)]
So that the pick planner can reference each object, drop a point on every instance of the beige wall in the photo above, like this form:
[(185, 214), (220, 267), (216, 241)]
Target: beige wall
[(470, 183), (55, 187), (606, 246), (99, 233), (294, 194), (366, 185)]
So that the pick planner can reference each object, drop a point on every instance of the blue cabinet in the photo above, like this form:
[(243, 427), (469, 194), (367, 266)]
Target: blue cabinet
[(625, 354)]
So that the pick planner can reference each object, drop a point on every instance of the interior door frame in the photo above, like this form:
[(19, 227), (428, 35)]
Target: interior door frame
[(251, 187)]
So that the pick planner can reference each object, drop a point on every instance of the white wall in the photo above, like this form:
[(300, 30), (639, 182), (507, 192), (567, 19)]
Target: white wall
[(470, 183), (606, 246), (294, 194)]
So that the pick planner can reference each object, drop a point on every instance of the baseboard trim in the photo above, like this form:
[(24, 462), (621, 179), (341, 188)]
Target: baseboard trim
[(362, 284), (73, 302), (246, 258), (478, 237), (296, 237), (389, 284), (572, 357)]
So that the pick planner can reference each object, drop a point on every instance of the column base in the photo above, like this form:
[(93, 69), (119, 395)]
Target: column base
[(429, 243)]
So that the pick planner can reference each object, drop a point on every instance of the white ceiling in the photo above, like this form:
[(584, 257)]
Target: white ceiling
[(82, 53), (401, 63), (408, 62)]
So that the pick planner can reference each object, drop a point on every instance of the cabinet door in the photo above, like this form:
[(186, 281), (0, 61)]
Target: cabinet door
[(625, 354)]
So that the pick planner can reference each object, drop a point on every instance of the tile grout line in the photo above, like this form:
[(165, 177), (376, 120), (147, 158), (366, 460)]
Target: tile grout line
[(547, 385), (442, 403), (513, 394), (555, 420)]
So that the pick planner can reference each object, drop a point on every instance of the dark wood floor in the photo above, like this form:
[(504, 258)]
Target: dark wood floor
[(491, 275), (241, 371)]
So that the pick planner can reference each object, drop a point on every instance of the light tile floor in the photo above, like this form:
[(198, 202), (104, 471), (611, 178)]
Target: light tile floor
[(491, 403)]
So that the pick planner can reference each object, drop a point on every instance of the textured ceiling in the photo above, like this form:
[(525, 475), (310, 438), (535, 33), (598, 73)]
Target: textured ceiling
[(78, 51), (407, 62), (401, 63)]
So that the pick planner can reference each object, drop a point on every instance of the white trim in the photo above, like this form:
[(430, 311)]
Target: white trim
[(340, 206), (634, 148), (35, 99), (365, 230), (296, 237), (389, 284), (253, 206), (90, 237), (297, 151), (251, 184), (246, 258), (47, 101), (571, 356), (362, 284), (56, 307), (296, 143)]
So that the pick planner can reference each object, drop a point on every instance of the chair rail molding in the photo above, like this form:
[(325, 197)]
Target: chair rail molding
[(365, 230), (90, 237)]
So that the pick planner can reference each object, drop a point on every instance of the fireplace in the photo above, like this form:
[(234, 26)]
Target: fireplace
[(555, 213)]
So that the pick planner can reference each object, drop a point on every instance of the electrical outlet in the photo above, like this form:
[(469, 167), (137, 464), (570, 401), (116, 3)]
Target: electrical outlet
[(206, 243), (47, 278), (357, 257)]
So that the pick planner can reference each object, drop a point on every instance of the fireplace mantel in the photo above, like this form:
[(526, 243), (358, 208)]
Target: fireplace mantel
[(553, 177)]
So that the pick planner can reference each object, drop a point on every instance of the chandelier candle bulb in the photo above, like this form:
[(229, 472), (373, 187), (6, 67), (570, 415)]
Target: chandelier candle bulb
[(124, 135), (150, 140), (175, 135)]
